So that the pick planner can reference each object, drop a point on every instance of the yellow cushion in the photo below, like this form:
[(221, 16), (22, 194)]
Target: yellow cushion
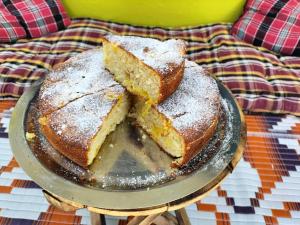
[(164, 13)]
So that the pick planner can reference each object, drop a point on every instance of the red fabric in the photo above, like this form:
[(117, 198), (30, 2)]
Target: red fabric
[(273, 24), (10, 28), (39, 17)]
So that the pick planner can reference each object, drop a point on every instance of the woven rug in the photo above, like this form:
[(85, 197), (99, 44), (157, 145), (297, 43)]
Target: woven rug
[(263, 189)]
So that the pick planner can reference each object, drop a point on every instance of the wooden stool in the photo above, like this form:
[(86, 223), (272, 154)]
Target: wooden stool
[(161, 218), (165, 218)]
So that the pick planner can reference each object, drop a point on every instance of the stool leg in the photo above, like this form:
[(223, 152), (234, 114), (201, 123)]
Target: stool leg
[(173, 220), (102, 218), (97, 219), (143, 220), (165, 219), (136, 220), (182, 217)]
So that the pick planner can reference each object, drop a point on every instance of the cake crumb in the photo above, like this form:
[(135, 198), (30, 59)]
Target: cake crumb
[(111, 145), (111, 95), (30, 136), (42, 121), (144, 136)]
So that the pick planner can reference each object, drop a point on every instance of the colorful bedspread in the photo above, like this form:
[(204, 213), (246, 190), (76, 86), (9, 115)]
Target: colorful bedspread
[(263, 189), (259, 79)]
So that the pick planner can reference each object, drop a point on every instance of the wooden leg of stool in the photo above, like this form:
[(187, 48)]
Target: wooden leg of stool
[(182, 217), (165, 219), (97, 219), (171, 218), (143, 220), (136, 220)]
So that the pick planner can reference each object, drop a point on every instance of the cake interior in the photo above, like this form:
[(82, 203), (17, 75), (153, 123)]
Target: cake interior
[(159, 128), (138, 78), (115, 116)]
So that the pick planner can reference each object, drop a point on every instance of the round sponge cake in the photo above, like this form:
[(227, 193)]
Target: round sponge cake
[(175, 101)]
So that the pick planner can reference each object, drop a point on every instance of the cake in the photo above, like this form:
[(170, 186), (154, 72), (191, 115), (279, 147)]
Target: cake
[(186, 121), (80, 104), (83, 100), (78, 129), (80, 75), (147, 67)]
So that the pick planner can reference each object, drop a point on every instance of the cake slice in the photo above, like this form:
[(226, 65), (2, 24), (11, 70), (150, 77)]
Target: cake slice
[(78, 129), (186, 121), (147, 67), (80, 75)]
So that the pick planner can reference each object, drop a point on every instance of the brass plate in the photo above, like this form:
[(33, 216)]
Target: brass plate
[(114, 196)]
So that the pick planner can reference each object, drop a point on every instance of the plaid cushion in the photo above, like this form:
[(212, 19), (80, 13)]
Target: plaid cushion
[(273, 24), (260, 80), (39, 17), (10, 28)]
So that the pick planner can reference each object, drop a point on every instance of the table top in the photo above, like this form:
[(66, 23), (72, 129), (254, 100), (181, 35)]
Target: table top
[(263, 188)]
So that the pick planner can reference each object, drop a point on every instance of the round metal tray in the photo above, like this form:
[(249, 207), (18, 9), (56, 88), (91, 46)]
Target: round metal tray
[(116, 180)]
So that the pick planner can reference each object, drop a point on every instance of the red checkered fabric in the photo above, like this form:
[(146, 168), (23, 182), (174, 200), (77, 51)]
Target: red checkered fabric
[(273, 24), (39, 17), (10, 28)]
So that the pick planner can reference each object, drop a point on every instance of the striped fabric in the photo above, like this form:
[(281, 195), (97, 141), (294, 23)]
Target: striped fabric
[(39, 17), (273, 24), (260, 80), (264, 188), (10, 28)]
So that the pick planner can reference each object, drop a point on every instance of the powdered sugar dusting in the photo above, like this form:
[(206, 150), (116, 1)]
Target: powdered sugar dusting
[(85, 60), (80, 120), (163, 56), (196, 101), (82, 75), (220, 160), (134, 181)]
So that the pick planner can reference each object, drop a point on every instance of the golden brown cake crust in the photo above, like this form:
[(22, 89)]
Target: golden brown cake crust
[(71, 129), (167, 63), (193, 147), (74, 152), (170, 83)]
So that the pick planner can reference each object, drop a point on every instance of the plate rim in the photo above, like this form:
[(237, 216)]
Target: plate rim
[(115, 200)]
